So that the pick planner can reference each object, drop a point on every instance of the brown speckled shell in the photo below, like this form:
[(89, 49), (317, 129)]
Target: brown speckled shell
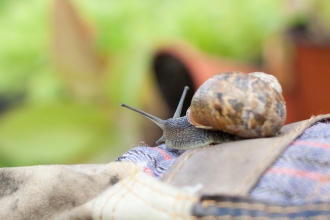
[(239, 104)]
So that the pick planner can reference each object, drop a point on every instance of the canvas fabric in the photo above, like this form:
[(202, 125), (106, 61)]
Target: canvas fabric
[(280, 177), (108, 191)]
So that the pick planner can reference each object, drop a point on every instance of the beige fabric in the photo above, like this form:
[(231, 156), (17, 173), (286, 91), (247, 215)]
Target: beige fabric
[(139, 196), (109, 191), (40, 192), (232, 168)]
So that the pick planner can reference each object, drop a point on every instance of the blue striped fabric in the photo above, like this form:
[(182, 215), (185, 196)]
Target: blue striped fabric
[(302, 173), (154, 160)]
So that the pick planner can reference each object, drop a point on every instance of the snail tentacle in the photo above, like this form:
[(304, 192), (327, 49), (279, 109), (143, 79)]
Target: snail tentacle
[(156, 120)]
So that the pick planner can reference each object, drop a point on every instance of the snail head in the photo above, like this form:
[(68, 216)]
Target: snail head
[(162, 123)]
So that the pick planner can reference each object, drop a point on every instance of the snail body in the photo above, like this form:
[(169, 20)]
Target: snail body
[(180, 134), (227, 107)]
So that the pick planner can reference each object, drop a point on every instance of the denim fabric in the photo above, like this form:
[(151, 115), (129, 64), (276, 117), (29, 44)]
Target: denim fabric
[(227, 207)]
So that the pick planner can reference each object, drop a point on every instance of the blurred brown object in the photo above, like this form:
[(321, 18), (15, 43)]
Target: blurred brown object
[(301, 65), (312, 65), (75, 57)]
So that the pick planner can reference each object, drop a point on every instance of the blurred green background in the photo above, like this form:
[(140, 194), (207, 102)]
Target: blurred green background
[(65, 66)]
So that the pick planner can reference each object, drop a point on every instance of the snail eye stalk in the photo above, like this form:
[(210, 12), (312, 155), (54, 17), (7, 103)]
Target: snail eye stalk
[(179, 108)]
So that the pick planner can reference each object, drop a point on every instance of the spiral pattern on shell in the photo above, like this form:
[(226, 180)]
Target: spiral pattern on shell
[(246, 105)]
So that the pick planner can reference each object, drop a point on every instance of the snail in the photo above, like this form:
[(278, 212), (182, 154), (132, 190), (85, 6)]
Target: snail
[(227, 107)]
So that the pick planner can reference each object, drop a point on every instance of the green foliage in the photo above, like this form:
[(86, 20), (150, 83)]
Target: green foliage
[(52, 134), (235, 29), (25, 35)]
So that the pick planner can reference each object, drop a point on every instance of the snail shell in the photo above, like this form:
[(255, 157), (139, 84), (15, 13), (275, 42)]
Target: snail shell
[(246, 105)]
